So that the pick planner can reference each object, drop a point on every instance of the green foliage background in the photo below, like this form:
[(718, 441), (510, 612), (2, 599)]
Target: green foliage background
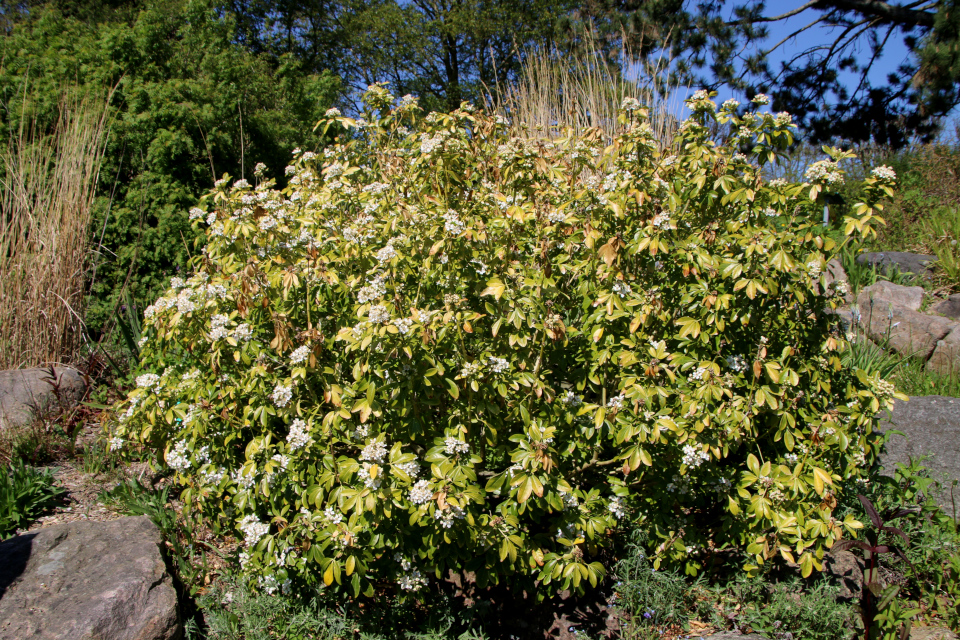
[(190, 105)]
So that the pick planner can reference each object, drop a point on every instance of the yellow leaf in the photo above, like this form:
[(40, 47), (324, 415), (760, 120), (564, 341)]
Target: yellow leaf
[(328, 575)]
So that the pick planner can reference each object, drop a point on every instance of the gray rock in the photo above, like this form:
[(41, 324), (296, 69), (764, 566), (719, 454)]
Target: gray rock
[(835, 273), (931, 427), (949, 307), (87, 581), (907, 332), (846, 569), (888, 261), (945, 358), (885, 293), (26, 394)]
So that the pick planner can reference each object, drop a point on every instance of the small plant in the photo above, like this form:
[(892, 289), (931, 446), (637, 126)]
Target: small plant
[(132, 498), (97, 459), (25, 493), (879, 620)]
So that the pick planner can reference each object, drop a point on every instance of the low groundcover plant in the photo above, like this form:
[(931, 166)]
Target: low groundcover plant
[(448, 347)]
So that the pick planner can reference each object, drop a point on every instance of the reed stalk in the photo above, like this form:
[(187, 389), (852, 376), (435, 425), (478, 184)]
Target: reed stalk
[(49, 178)]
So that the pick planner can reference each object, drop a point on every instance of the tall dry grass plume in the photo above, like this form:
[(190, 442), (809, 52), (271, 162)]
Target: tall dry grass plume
[(558, 92), (49, 177)]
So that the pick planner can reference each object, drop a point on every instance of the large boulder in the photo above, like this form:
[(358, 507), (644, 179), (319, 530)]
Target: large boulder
[(884, 293), (28, 394), (87, 581), (889, 261), (889, 322), (945, 358), (949, 307), (931, 428)]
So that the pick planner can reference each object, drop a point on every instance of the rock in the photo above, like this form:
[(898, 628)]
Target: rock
[(931, 427), (945, 358), (846, 569), (907, 332), (888, 261), (25, 392), (87, 580), (884, 293), (949, 307), (931, 633), (835, 273)]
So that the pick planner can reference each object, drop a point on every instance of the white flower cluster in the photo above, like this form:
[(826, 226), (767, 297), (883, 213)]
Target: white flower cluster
[(376, 451), (421, 493), (253, 529), (616, 402), (368, 480), (333, 516), (452, 223), (196, 213), (730, 105), (386, 254), (429, 144), (378, 314), (622, 289), (300, 354), (884, 172), (840, 288), (737, 363), (148, 381), (569, 500), (448, 515), (499, 365), (281, 396), (332, 112), (824, 171), (629, 104), (884, 389), (571, 399), (813, 268), (245, 480), (243, 332), (213, 475), (556, 217), (218, 327), (179, 457), (373, 291), (699, 374), (481, 268), (694, 456), (299, 436), (470, 369), (761, 98), (411, 468), (453, 446), (116, 444), (616, 507), (403, 325), (412, 579), (679, 484), (661, 220)]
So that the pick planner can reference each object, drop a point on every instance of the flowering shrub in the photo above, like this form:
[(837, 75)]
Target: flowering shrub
[(443, 347)]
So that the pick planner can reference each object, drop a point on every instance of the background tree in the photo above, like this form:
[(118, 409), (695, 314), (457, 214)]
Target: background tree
[(827, 84)]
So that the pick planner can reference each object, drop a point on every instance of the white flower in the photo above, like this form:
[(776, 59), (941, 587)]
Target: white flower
[(245, 480), (616, 402), (814, 268), (452, 223), (378, 314), (386, 254), (737, 363), (761, 98), (281, 396), (241, 184), (629, 104), (116, 444), (243, 332), (694, 456), (616, 507), (622, 289), (332, 112), (403, 325), (148, 380), (448, 515), (372, 291), (299, 436), (253, 529), (571, 399), (824, 171), (179, 457), (375, 451), (411, 468), (884, 172), (412, 580), (421, 493), (730, 105), (453, 446), (335, 517), (499, 365), (699, 374), (368, 480), (300, 354), (260, 169), (196, 213), (470, 370), (661, 220)]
